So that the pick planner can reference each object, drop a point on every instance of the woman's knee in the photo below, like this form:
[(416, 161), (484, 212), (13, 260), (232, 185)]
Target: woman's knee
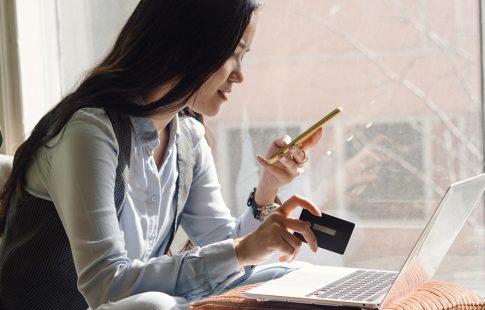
[(147, 301), (270, 271)]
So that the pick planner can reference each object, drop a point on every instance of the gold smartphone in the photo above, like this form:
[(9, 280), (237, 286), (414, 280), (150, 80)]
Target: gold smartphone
[(305, 135)]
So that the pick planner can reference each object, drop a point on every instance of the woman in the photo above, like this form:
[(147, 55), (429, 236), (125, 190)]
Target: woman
[(99, 188)]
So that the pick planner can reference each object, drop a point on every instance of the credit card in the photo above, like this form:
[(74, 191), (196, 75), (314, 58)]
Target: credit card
[(332, 233)]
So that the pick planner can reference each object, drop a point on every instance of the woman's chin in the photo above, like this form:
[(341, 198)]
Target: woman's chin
[(208, 108), (211, 112)]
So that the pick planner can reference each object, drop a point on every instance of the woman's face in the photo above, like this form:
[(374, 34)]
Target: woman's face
[(215, 91)]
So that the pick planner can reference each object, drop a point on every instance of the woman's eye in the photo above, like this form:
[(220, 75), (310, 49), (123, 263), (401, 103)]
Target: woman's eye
[(239, 56)]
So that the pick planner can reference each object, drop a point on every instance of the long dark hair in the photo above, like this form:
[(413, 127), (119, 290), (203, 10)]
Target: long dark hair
[(164, 41)]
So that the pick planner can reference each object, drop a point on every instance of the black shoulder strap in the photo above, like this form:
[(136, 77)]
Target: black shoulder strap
[(122, 128), (185, 166)]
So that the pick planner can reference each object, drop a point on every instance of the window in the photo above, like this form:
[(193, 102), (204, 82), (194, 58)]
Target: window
[(407, 74), (408, 77), (395, 167)]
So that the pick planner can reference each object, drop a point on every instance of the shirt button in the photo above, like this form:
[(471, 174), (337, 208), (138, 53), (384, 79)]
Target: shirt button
[(154, 198), (152, 236), (188, 298)]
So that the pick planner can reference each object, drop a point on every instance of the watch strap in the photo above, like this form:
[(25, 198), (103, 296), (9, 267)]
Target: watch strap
[(261, 212)]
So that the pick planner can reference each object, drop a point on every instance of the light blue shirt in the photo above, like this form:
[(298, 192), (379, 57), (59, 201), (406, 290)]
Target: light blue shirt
[(76, 170)]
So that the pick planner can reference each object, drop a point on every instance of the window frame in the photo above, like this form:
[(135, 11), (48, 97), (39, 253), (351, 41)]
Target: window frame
[(10, 83)]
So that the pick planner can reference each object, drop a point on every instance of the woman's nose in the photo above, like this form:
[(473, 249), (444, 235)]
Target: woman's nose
[(237, 75)]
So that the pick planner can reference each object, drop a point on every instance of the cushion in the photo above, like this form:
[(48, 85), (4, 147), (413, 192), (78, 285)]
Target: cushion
[(440, 295), (234, 299), (437, 295)]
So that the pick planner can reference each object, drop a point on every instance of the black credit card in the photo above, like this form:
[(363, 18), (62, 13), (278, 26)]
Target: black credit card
[(332, 233)]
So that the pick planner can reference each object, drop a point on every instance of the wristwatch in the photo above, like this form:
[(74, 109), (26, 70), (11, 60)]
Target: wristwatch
[(261, 212)]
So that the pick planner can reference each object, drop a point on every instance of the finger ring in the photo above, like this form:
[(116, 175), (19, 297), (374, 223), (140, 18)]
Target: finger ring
[(305, 158)]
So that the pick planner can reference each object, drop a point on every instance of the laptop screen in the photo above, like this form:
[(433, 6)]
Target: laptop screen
[(438, 236)]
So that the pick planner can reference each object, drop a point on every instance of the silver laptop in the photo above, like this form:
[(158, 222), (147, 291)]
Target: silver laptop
[(365, 288)]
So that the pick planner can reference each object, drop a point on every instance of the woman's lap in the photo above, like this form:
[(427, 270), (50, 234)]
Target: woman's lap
[(262, 273), (147, 301), (162, 301)]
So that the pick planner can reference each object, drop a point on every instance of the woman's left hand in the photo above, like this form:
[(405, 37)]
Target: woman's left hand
[(285, 169)]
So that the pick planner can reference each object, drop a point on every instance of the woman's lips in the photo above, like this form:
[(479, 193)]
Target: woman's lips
[(222, 94)]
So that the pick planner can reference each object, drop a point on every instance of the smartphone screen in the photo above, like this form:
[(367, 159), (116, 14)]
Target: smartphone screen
[(305, 135)]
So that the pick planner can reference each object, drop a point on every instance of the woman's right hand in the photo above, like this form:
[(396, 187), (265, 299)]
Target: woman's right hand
[(275, 235)]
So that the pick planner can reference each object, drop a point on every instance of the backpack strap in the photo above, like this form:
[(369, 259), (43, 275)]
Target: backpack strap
[(122, 129), (185, 166)]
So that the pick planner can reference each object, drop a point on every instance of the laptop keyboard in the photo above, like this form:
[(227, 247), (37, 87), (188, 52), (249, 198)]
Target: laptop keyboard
[(363, 285)]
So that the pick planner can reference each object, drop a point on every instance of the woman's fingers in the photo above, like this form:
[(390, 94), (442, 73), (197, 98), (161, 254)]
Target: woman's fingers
[(295, 245), (291, 166), (310, 142), (288, 245), (298, 201), (281, 142), (298, 155), (275, 234), (286, 248), (298, 226), (281, 174)]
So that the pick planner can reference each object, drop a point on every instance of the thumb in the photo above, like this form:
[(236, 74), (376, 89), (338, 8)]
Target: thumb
[(281, 142)]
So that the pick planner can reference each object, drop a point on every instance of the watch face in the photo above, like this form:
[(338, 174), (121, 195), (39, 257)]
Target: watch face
[(266, 210)]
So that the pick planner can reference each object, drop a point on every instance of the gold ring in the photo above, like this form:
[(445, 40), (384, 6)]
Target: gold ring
[(305, 159)]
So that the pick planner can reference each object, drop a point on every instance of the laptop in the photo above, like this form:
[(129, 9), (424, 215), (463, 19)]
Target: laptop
[(375, 289)]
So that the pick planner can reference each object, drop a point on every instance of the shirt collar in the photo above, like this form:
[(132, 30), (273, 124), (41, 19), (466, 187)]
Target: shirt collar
[(146, 133)]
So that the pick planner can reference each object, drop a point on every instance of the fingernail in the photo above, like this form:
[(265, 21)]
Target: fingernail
[(261, 159)]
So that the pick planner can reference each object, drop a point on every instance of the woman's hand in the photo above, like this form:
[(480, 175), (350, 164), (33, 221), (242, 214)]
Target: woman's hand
[(282, 172), (275, 235)]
